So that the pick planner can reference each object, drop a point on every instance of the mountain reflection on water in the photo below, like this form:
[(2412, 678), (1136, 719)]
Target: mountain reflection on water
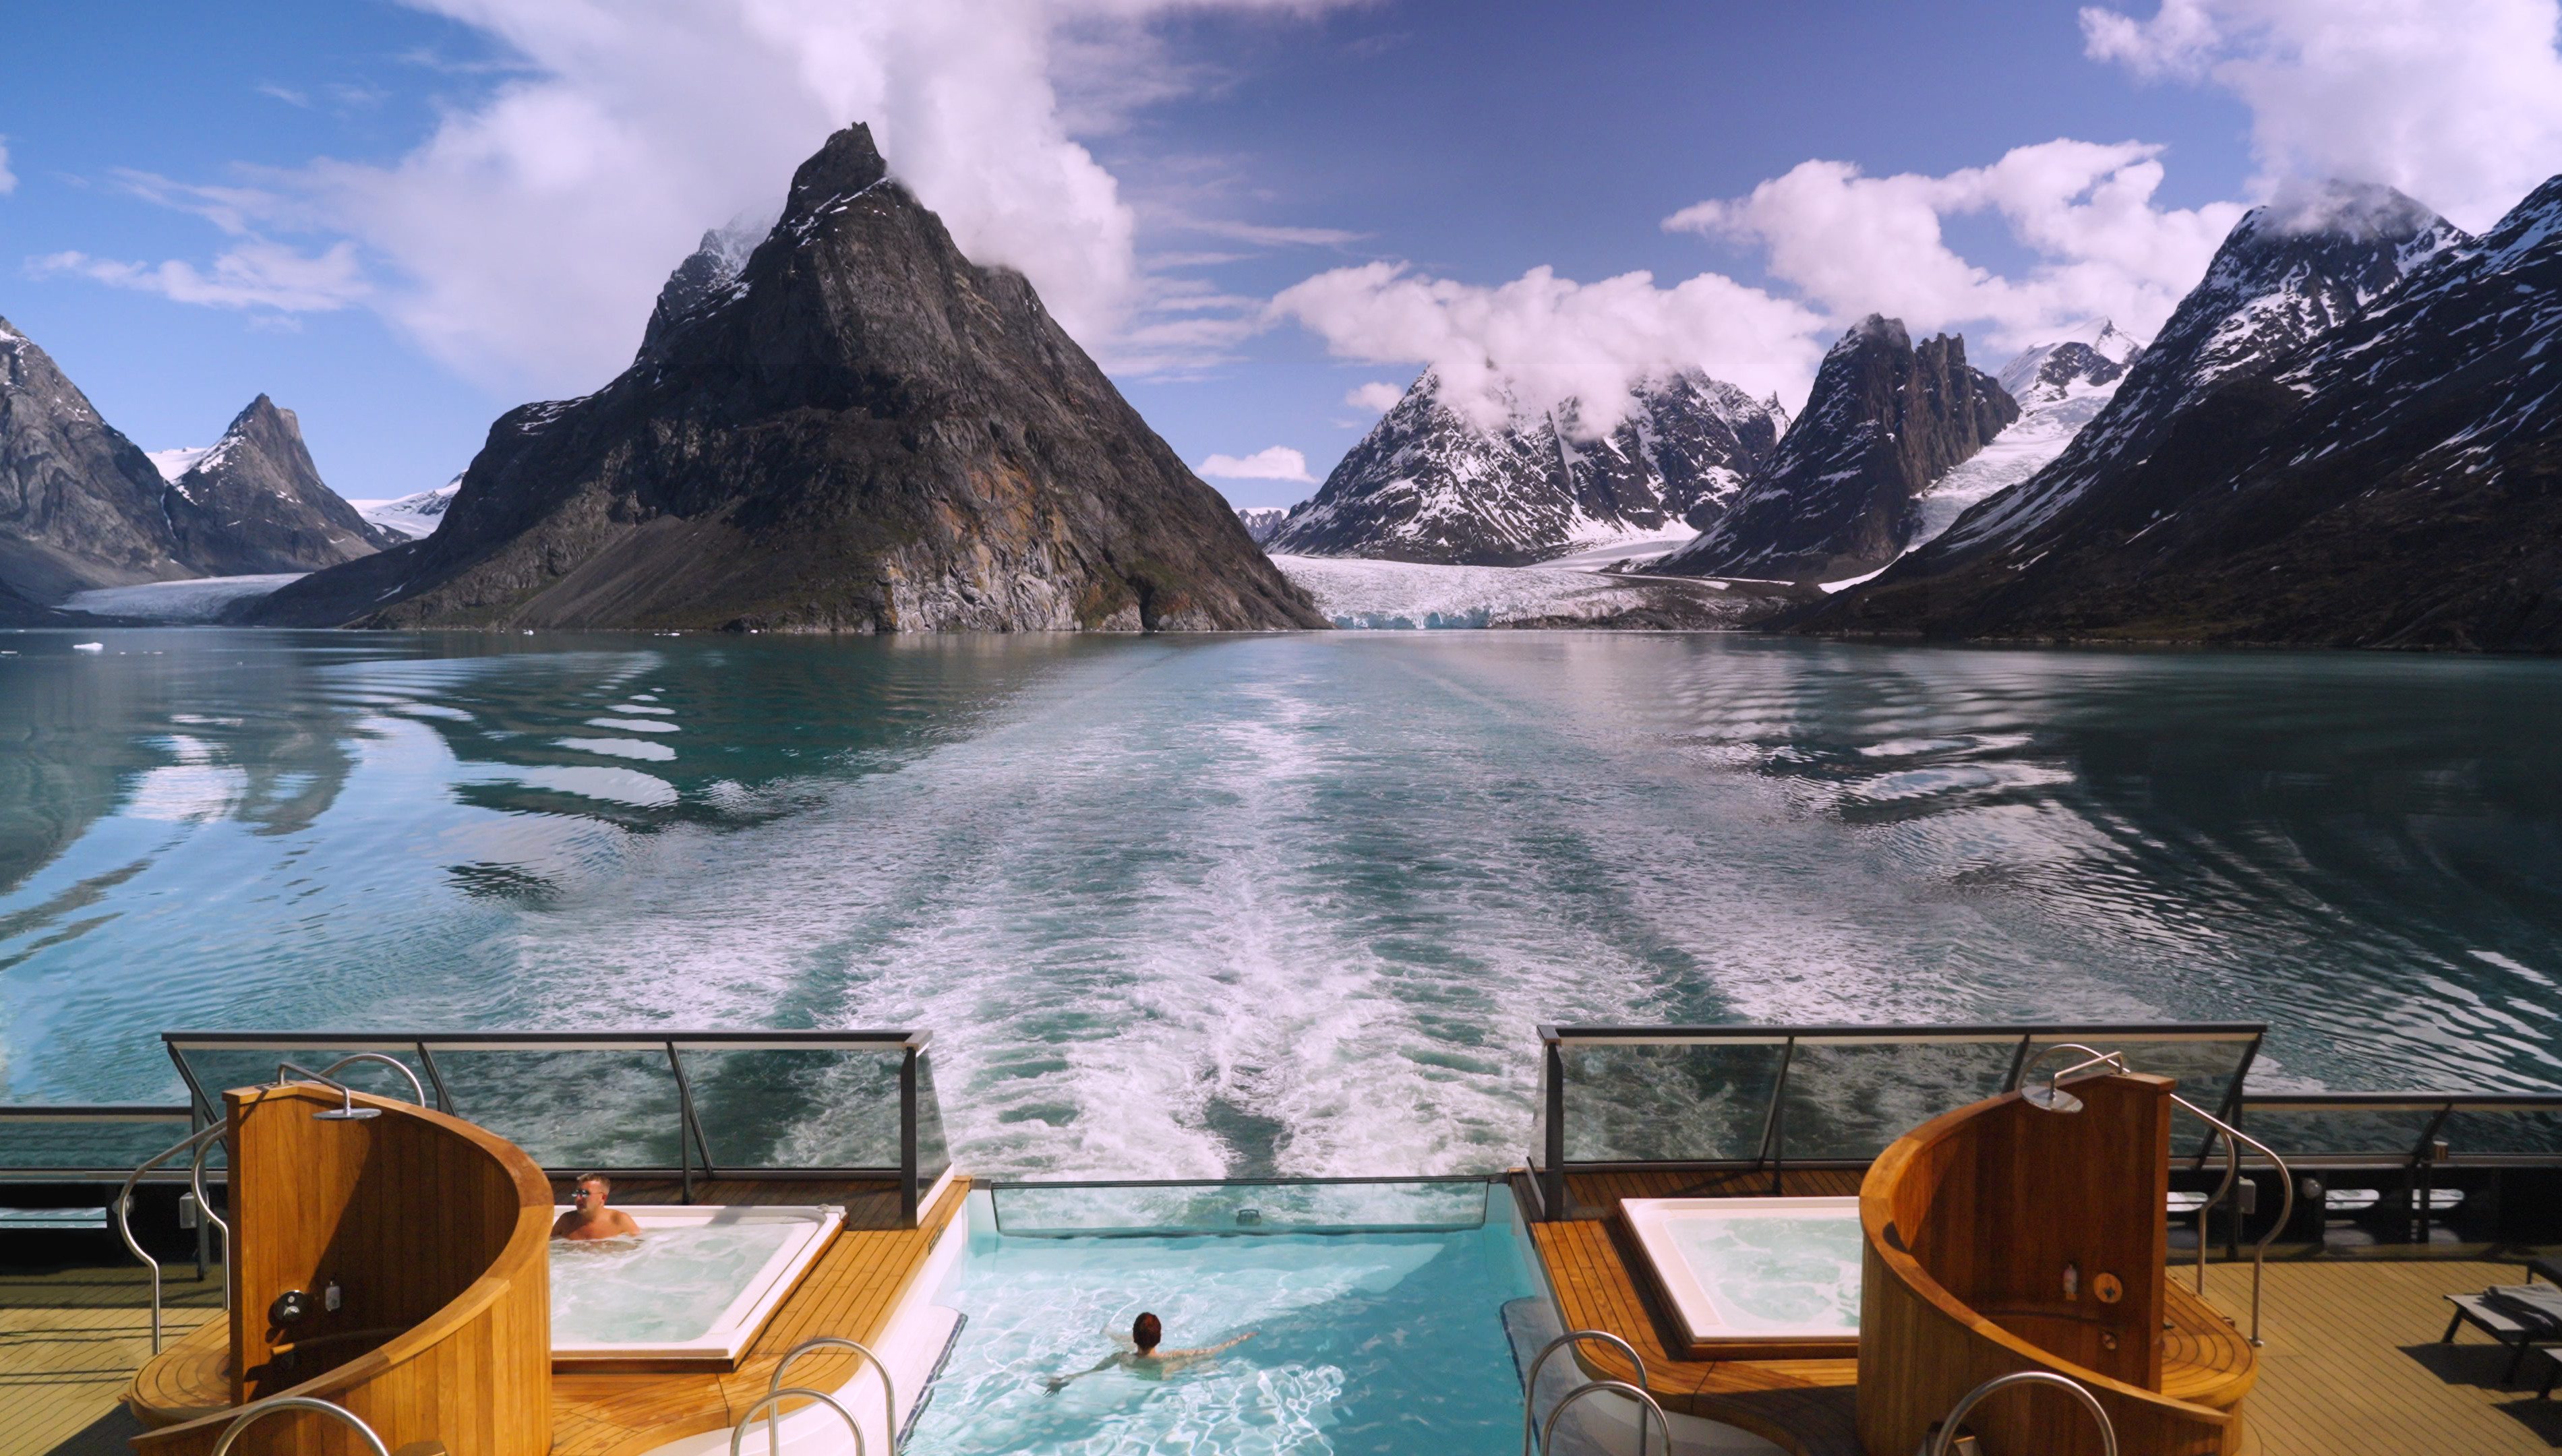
[(1180, 907)]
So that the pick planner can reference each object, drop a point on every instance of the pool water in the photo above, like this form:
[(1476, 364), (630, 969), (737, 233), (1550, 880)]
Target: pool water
[(1768, 1274), (1376, 1344), (668, 1286)]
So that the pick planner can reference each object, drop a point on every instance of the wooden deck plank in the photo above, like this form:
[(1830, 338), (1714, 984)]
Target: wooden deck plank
[(2352, 1360), (71, 1338)]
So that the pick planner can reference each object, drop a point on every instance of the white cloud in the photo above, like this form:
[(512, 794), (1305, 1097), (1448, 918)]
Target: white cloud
[(1853, 245), (1377, 396), (1541, 338), (1273, 462), (2458, 103), (8, 179), (522, 242), (254, 274)]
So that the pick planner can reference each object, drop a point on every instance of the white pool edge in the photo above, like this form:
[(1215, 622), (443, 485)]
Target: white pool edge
[(1649, 1220), (746, 1314)]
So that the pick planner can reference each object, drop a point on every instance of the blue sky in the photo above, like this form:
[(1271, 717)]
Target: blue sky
[(400, 220)]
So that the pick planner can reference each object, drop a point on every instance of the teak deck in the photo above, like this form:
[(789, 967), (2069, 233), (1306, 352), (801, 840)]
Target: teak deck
[(850, 1290), (2351, 1362)]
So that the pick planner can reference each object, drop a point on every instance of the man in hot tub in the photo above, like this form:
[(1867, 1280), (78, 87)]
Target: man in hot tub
[(588, 1218)]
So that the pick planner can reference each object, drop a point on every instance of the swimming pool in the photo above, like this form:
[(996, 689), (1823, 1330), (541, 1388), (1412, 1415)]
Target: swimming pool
[(1380, 1343), (1754, 1271), (695, 1287)]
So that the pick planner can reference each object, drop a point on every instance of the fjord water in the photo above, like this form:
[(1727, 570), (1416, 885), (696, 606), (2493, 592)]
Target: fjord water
[(1180, 907)]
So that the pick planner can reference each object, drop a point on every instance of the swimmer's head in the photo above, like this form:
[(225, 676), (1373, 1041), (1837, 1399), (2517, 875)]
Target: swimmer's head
[(591, 1189), (1145, 1332)]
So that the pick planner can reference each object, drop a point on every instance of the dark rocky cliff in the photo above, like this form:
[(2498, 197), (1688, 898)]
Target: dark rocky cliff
[(79, 504), (2393, 479), (862, 432), (254, 504), (1428, 485), (1839, 497)]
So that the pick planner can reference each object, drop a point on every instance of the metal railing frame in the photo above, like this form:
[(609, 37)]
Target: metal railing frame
[(1549, 1163), (694, 1161), (1529, 1385)]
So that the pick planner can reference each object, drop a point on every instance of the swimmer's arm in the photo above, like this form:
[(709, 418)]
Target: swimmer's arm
[(1205, 1352), (1052, 1385)]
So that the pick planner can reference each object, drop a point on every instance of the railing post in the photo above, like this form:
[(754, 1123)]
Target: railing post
[(1552, 1173), (909, 1193)]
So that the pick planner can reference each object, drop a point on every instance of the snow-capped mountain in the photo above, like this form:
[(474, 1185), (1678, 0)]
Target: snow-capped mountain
[(1262, 520), (2395, 480), (710, 272), (1840, 496), (1427, 485), (254, 504), (411, 516), (2288, 272), (2061, 385), (82, 507)]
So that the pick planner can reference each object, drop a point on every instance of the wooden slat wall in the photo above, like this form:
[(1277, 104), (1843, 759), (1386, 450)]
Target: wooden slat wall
[(437, 1234)]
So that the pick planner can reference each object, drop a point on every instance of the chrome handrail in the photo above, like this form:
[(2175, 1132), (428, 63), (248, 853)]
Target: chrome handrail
[(205, 1206), (2233, 1138), (231, 1433), (1948, 1428), (1529, 1383), (889, 1390), (124, 1222), (395, 1063), (1620, 1387), (738, 1433)]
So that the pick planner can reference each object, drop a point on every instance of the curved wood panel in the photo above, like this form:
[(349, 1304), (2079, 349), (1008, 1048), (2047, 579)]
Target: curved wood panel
[(437, 1233), (1987, 1231)]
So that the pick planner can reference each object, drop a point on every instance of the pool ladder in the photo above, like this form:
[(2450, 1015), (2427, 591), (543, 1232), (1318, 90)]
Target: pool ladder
[(1640, 1392), (776, 1392)]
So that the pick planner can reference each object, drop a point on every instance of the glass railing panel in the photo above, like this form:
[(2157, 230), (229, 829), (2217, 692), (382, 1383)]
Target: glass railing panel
[(797, 1107), (1166, 1210), (933, 1147), (28, 1143), (221, 1070), (2381, 1134), (2493, 1132), (569, 1108), (1851, 1101), (1641, 1102)]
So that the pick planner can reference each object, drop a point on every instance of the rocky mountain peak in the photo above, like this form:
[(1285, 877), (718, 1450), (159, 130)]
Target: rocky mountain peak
[(2093, 355), (254, 503), (2287, 273), (866, 432), (79, 504), (1839, 497), (1428, 485)]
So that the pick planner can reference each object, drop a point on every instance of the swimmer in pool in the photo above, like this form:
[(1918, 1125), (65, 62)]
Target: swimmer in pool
[(1143, 1357), (588, 1218)]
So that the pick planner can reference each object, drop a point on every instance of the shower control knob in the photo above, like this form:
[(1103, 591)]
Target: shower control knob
[(288, 1307)]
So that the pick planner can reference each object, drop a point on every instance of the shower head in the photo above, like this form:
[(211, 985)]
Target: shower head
[(2046, 1095), (2049, 1095), (345, 1111)]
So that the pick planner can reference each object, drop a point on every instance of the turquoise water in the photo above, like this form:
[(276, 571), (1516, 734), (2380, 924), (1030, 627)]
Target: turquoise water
[(1364, 1344), (1770, 1273), (666, 1286), (1255, 905)]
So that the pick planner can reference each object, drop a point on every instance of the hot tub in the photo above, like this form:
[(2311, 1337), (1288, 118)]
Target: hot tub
[(693, 1290), (1755, 1277)]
